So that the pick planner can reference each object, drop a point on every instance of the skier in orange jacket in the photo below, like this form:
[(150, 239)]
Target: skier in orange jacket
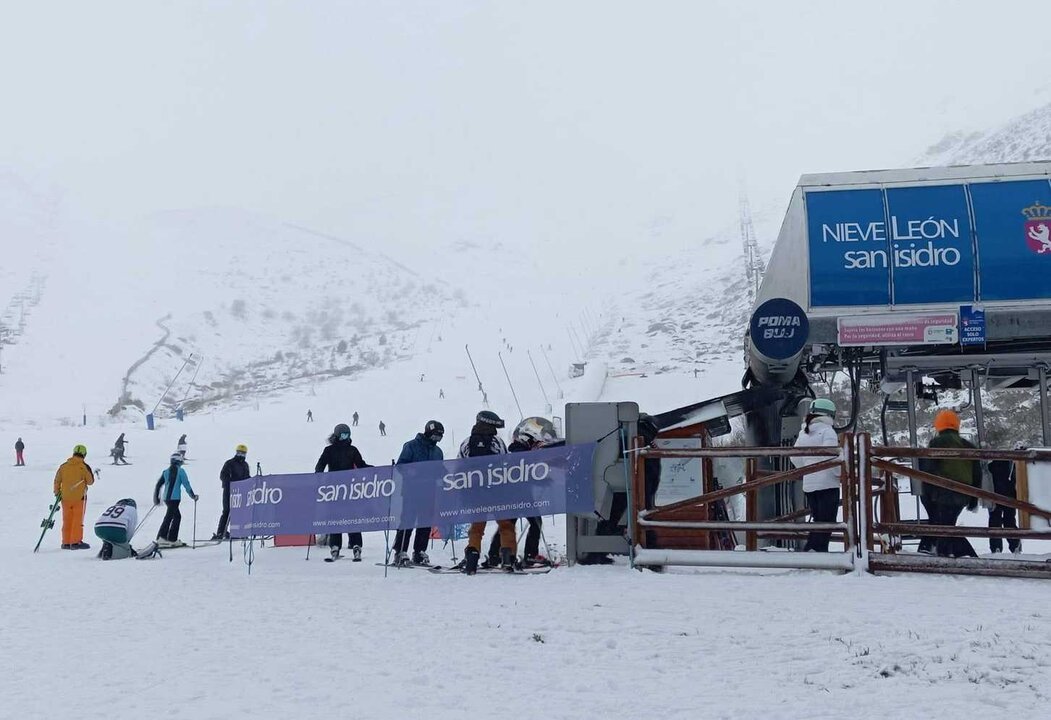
[(71, 488)]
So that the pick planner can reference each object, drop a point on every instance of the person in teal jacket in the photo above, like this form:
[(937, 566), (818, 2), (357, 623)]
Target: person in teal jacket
[(169, 488)]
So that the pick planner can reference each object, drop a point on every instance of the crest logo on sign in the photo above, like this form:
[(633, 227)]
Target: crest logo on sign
[(1038, 228)]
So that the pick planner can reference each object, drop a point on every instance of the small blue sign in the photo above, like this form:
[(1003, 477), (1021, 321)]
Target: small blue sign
[(779, 329), (972, 325)]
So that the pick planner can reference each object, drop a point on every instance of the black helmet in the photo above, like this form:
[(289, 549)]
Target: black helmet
[(434, 428), (647, 428), (341, 432), (126, 501), (488, 417)]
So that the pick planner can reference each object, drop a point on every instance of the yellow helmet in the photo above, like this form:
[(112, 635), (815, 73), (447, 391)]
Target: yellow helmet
[(80, 450), (242, 448)]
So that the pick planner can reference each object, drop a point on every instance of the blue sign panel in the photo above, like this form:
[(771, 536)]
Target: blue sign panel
[(937, 244), (848, 248), (1013, 224), (930, 233), (972, 325), (779, 329)]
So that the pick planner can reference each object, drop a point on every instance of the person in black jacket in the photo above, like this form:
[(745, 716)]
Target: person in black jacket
[(341, 455), (1001, 516), (234, 469), (484, 441), (20, 447)]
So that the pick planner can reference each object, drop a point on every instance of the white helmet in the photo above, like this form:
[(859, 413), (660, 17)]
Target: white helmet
[(535, 430)]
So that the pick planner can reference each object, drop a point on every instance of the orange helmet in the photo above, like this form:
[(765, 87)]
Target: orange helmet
[(946, 420)]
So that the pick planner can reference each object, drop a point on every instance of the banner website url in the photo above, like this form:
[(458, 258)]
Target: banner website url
[(355, 521), (508, 507)]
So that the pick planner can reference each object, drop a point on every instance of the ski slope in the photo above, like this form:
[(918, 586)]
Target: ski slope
[(203, 638)]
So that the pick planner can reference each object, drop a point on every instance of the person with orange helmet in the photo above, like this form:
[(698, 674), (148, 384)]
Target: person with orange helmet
[(943, 505), (71, 488)]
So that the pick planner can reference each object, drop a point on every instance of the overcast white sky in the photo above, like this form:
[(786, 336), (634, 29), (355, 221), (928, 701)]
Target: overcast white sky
[(574, 123)]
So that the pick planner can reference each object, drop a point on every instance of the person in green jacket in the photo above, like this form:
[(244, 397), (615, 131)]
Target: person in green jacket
[(943, 505)]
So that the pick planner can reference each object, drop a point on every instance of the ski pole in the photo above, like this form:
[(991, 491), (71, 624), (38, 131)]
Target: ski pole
[(143, 521), (193, 545)]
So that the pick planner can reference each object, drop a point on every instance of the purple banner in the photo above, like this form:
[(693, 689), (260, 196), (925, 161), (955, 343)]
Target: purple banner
[(543, 482)]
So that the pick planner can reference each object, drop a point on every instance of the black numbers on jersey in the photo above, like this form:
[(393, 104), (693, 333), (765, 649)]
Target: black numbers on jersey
[(114, 511)]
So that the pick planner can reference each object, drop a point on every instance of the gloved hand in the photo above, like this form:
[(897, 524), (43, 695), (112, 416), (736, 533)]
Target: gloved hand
[(196, 497), (972, 504)]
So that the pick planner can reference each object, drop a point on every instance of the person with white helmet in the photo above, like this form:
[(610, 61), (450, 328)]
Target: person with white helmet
[(531, 434), (820, 488), (172, 482), (234, 469)]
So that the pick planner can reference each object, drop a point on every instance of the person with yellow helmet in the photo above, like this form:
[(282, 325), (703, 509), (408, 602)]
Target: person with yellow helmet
[(71, 488), (234, 469)]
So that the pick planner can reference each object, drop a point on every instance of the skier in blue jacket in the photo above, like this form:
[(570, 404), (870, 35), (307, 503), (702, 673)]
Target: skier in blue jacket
[(422, 448), (172, 481)]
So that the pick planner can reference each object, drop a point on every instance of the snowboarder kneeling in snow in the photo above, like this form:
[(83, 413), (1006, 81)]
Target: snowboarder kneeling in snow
[(115, 528), (172, 480)]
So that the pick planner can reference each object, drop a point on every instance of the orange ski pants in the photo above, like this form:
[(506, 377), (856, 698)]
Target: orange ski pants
[(73, 521), (507, 535)]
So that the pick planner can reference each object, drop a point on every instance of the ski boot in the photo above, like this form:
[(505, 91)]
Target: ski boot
[(531, 561), (420, 558), (401, 559), (357, 553), (491, 562), (80, 546), (333, 553), (217, 537), (470, 561), (508, 561)]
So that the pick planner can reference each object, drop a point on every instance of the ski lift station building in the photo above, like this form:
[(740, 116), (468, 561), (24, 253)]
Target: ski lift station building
[(895, 275)]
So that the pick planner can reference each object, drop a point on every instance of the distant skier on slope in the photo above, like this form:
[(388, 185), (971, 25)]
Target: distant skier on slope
[(340, 454), (172, 481), (484, 441), (71, 488), (181, 447), (20, 447), (118, 450), (310, 416), (422, 448), (383, 429), (234, 469), (354, 419)]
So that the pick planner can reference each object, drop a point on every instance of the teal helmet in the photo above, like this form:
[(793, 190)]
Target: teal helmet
[(823, 406)]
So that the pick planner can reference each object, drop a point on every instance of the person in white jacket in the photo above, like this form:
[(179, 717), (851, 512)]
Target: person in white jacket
[(820, 488)]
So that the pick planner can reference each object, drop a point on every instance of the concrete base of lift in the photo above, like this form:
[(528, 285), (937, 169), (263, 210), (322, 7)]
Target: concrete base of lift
[(842, 561)]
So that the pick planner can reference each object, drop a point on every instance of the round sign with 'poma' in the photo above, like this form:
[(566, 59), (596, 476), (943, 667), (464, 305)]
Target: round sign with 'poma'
[(779, 329)]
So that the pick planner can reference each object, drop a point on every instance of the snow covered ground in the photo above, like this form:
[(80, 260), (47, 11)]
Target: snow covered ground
[(193, 635)]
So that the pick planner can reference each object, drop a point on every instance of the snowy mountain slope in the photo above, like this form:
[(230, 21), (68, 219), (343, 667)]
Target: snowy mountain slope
[(582, 635), (264, 303), (688, 315), (1021, 139)]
